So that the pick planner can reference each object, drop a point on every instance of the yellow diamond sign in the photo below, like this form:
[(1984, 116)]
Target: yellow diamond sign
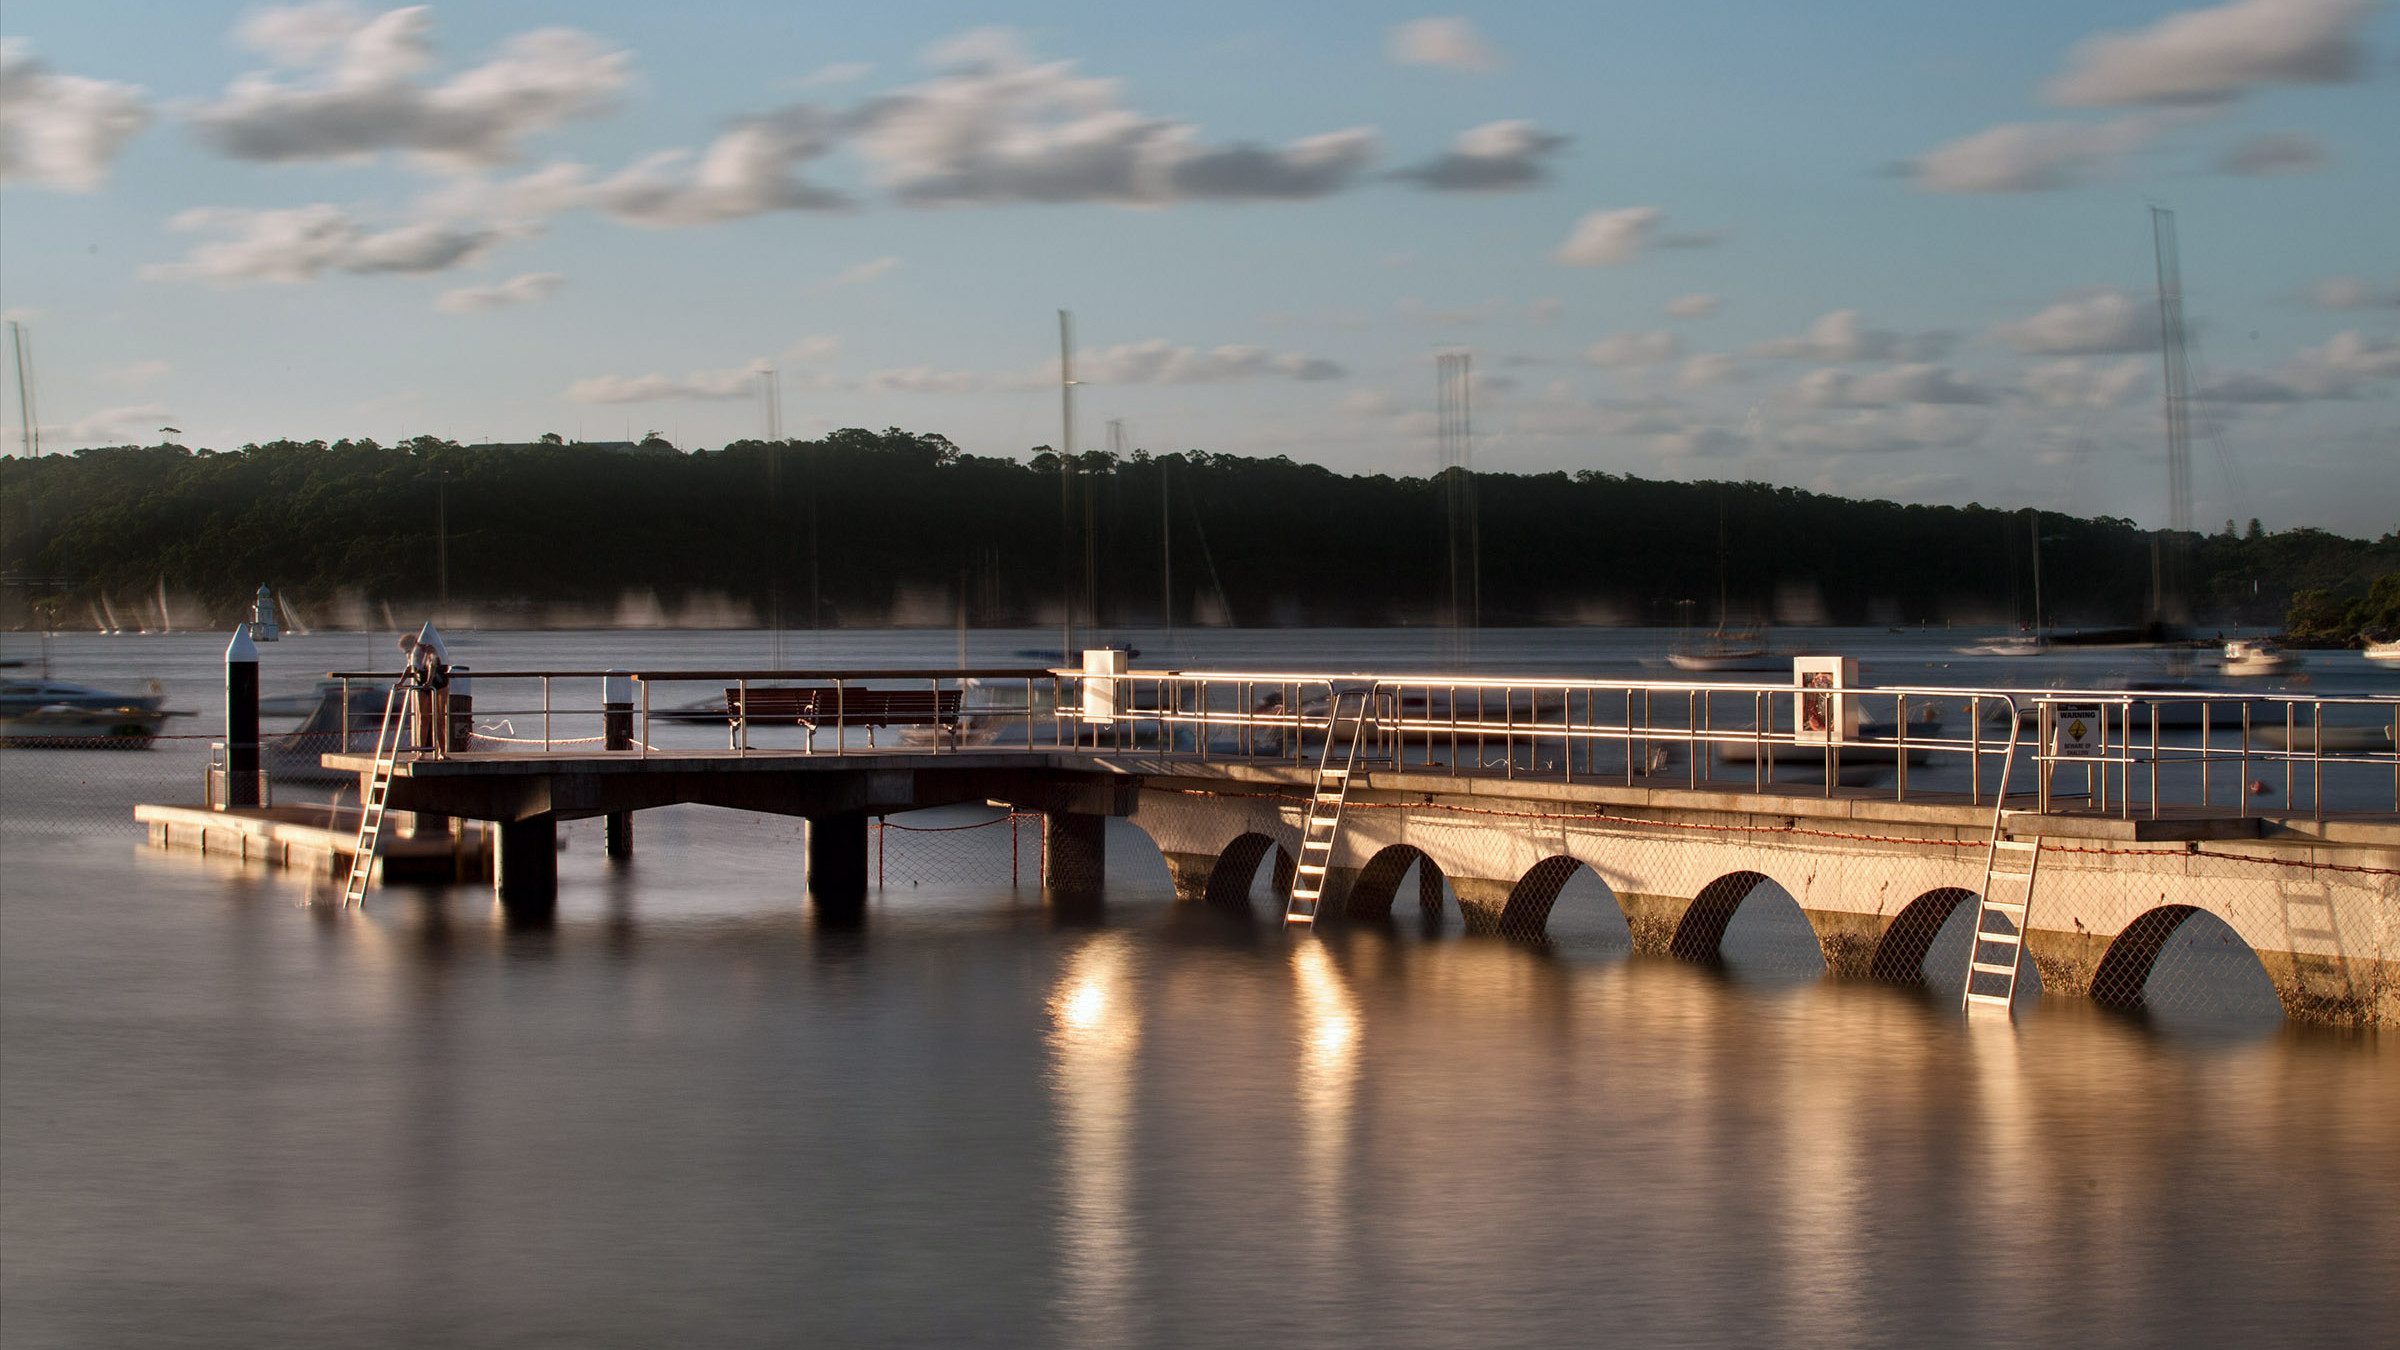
[(2076, 729)]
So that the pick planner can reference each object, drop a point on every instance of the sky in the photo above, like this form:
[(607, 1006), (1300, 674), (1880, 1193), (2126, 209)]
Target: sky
[(1864, 246)]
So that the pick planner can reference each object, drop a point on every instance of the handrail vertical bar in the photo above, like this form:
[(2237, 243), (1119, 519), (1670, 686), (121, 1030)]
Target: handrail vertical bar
[(545, 714), (1900, 749)]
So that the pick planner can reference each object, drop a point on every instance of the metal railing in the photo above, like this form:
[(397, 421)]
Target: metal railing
[(2151, 752)]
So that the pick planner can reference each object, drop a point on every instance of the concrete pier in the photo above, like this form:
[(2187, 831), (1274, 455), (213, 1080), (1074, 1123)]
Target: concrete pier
[(525, 874), (837, 865), (1875, 877)]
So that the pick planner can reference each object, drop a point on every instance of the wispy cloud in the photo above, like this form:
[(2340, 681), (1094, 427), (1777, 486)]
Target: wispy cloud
[(530, 288), (57, 131), (1611, 237), (1447, 43)]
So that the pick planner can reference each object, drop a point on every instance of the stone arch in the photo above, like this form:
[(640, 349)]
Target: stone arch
[(1527, 912), (1703, 924), (1900, 953), (1378, 883), (1237, 867), (2125, 967)]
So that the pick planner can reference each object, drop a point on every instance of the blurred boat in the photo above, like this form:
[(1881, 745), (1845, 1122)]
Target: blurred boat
[(301, 705), (61, 726), (1722, 651), (2384, 653), (2246, 656), (295, 756), (24, 696), (2023, 644)]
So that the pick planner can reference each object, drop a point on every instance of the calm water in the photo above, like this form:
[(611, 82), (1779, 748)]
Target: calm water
[(684, 1115)]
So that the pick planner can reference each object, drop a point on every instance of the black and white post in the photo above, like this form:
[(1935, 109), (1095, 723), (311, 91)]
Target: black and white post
[(241, 719)]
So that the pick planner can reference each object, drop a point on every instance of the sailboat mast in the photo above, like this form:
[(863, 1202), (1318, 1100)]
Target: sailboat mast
[(1066, 485), (2171, 606)]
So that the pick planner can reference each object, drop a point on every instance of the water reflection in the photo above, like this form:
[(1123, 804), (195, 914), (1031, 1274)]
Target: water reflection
[(1094, 1037), (1328, 1087)]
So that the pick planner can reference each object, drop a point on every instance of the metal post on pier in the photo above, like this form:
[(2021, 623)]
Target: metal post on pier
[(241, 719), (616, 733)]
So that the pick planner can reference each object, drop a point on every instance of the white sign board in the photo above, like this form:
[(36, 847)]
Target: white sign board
[(1821, 713), (2076, 731), (1103, 675)]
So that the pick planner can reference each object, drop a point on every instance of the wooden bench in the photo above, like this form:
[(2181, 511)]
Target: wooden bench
[(825, 705)]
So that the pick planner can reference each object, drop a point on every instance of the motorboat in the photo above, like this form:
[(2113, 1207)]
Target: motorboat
[(57, 715), (61, 726), (2384, 653), (2257, 656), (2021, 644), (24, 696), (1722, 651)]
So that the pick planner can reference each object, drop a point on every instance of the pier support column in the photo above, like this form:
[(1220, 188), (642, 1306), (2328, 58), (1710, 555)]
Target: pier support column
[(1074, 858), (241, 720), (616, 730), (837, 866), (525, 875)]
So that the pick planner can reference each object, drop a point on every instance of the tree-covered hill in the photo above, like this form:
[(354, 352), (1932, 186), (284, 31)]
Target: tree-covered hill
[(894, 525)]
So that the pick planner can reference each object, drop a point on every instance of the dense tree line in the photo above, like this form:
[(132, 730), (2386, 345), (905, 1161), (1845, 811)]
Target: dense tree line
[(845, 530)]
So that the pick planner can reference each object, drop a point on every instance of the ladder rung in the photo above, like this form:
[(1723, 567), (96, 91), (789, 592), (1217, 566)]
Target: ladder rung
[(2005, 905), (1990, 1000), (1987, 968), (2014, 846), (1312, 869), (1299, 918)]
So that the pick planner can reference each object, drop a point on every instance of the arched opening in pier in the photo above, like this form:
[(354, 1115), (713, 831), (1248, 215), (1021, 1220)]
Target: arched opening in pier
[(1563, 902), (1396, 871), (2188, 969), (1747, 923), (1941, 971), (1237, 873), (1900, 955)]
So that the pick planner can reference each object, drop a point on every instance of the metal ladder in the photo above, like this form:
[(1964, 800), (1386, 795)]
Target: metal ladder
[(2009, 868), (398, 714), (1325, 805)]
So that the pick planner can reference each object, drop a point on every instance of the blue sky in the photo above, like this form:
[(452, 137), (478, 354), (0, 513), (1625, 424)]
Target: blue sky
[(1892, 249)]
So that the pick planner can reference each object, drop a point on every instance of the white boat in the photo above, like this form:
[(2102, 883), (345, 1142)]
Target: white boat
[(2024, 644), (62, 726), (2246, 656), (2384, 653), (24, 696), (1723, 651)]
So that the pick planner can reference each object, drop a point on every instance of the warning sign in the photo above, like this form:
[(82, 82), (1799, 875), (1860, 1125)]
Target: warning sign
[(2076, 731)]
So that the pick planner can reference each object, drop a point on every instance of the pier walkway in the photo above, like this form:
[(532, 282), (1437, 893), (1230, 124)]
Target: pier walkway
[(1879, 809)]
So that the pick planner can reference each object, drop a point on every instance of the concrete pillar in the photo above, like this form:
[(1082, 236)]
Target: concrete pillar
[(241, 720), (837, 865), (525, 874), (1074, 857), (616, 730)]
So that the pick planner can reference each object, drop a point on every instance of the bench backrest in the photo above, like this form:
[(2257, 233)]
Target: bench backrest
[(860, 707)]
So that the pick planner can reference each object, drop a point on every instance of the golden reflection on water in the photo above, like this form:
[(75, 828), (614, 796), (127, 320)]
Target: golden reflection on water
[(1328, 1086), (1095, 1034)]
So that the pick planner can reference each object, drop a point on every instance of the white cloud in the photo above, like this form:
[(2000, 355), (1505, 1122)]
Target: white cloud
[(858, 274), (2343, 368), (2355, 293), (1635, 349), (741, 382), (1157, 361), (1704, 369), (2212, 55), (1698, 305), (839, 72), (1607, 238), (1450, 43), (363, 96), (998, 127), (528, 289), (2276, 152), (2099, 321), (1843, 336), (1543, 310), (302, 243), (61, 131), (1914, 426), (2036, 156), (746, 171), (814, 347), (1915, 383), (2074, 383), (1494, 157), (927, 380), (128, 424)]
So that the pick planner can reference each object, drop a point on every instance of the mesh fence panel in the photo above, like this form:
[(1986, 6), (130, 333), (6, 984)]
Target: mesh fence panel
[(980, 852)]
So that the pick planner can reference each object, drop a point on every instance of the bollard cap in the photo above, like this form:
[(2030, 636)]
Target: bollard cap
[(241, 650)]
